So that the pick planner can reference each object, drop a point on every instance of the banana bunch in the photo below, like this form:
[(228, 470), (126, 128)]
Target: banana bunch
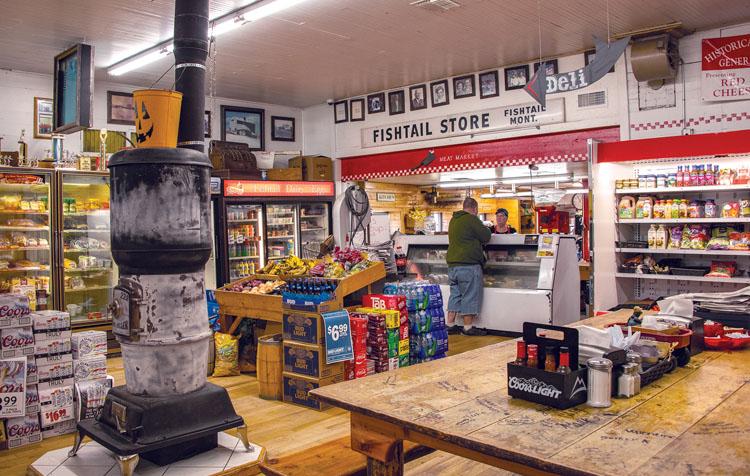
[(291, 266)]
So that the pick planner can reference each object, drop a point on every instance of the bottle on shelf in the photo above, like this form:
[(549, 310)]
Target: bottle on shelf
[(661, 238), (679, 177), (23, 148), (652, 237)]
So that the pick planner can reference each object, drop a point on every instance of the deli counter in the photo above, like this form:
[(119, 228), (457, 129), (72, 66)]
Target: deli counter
[(523, 281)]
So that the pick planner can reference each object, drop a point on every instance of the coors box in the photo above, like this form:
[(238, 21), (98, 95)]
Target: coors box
[(13, 387), (32, 399), (16, 342), (23, 430), (14, 311)]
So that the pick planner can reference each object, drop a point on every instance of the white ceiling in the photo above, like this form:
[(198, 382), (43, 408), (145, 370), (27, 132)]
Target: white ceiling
[(339, 48)]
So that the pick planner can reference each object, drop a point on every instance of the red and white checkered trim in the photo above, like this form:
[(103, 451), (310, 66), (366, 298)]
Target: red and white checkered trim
[(469, 166), (735, 116)]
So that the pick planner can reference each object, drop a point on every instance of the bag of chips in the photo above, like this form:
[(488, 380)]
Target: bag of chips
[(227, 351), (722, 269)]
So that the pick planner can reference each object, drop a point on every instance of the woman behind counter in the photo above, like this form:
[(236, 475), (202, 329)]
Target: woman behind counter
[(502, 227)]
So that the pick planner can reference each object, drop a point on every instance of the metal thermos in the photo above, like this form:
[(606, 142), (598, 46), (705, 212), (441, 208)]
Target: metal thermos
[(600, 382)]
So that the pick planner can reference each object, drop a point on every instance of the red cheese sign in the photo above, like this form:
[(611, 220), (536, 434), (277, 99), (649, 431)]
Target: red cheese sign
[(726, 68), (265, 188)]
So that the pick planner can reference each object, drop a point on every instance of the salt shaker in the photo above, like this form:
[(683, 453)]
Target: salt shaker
[(635, 358), (629, 383), (600, 382)]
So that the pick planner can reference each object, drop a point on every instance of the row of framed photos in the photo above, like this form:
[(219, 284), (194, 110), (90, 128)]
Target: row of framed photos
[(516, 77)]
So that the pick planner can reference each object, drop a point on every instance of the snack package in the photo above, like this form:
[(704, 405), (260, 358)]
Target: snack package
[(694, 237), (227, 352), (720, 238), (739, 241), (675, 237), (730, 210), (722, 269)]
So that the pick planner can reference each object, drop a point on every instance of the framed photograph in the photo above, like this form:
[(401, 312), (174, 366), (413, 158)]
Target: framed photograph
[(463, 87), (439, 93), (245, 125), (551, 67), (206, 123), (357, 110), (418, 97), (488, 85), (43, 120), (282, 129), (517, 77), (589, 56), (376, 103), (120, 109), (340, 112), (396, 103)]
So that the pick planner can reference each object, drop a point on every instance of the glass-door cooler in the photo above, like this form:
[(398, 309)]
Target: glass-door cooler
[(314, 227), (245, 250), (26, 235), (281, 230), (87, 272)]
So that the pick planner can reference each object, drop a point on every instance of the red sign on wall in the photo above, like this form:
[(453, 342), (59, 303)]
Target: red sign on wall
[(262, 188), (725, 63)]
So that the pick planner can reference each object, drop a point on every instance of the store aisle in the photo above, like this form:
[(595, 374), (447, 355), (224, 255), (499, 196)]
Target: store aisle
[(282, 428)]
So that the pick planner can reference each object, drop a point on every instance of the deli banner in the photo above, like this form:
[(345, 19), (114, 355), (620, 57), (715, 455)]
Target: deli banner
[(725, 68), (515, 116)]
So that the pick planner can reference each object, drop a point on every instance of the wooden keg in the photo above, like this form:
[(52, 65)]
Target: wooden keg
[(270, 366)]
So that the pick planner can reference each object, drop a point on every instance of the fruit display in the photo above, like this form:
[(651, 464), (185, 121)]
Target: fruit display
[(341, 263), (291, 266), (256, 286)]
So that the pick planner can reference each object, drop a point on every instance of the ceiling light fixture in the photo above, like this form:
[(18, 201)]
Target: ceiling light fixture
[(218, 26), (467, 184)]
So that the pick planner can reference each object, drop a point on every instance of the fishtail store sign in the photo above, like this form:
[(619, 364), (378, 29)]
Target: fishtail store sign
[(515, 116)]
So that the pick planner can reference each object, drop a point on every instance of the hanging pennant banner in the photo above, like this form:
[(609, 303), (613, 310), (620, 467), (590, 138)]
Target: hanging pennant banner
[(605, 57)]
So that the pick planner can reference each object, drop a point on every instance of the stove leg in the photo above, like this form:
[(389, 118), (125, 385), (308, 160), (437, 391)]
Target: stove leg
[(76, 444), (128, 464), (242, 434)]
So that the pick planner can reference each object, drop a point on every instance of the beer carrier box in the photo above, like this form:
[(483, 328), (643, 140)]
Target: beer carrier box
[(309, 360), (22, 431), (32, 372), (57, 429), (549, 388), (53, 341), (91, 367), (297, 388), (44, 321), (16, 342), (13, 388), (303, 328), (32, 399), (56, 405), (14, 311), (88, 343)]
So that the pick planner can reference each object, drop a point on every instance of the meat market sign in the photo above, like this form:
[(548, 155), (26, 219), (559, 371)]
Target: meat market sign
[(726, 68), (489, 120)]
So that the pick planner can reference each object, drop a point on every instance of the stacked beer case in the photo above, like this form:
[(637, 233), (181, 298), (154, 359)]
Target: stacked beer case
[(90, 372), (357, 367)]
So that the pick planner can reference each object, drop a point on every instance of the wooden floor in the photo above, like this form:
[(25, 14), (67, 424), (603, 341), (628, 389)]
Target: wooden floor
[(281, 428)]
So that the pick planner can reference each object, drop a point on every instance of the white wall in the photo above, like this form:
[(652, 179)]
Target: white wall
[(702, 116), (18, 89)]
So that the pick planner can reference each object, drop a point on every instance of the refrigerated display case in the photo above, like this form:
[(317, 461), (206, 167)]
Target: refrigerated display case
[(244, 240), (314, 229), (86, 271), (26, 231), (519, 284), (281, 231)]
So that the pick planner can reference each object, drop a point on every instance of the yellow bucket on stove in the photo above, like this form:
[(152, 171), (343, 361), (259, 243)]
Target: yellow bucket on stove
[(157, 117)]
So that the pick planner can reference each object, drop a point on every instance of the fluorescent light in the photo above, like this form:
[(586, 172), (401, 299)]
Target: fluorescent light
[(538, 179), (270, 8), (467, 184), (221, 27), (142, 59)]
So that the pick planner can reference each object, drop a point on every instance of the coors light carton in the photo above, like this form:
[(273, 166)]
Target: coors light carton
[(32, 375), (23, 430), (32, 399), (16, 342), (14, 311), (13, 387)]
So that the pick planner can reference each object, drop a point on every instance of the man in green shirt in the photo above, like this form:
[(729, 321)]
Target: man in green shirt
[(466, 236)]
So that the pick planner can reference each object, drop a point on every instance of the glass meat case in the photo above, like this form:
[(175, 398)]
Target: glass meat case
[(88, 272), (313, 227), (26, 234), (244, 240), (520, 283), (281, 230)]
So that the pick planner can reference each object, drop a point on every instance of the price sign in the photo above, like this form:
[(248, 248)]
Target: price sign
[(338, 336), (13, 387)]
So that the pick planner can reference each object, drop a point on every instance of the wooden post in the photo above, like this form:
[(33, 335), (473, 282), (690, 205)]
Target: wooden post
[(382, 444)]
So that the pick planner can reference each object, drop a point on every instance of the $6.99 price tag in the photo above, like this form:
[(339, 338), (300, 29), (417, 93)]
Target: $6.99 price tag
[(338, 330), (338, 338)]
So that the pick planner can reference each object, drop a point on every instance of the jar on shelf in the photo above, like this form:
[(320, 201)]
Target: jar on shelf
[(651, 181), (710, 210), (661, 181), (642, 180), (672, 180)]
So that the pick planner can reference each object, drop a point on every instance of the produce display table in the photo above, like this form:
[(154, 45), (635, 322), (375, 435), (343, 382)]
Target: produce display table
[(268, 307), (688, 422)]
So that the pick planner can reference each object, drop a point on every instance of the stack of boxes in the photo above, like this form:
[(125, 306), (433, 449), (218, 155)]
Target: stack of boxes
[(357, 367), (90, 372), (54, 361), (304, 356), (429, 335)]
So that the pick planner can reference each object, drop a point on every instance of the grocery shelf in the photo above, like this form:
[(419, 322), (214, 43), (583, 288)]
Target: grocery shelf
[(243, 221), (23, 228), (92, 230), (86, 270), (84, 323), (284, 237), (312, 229), (243, 257), (312, 216), (683, 252), (26, 248), (86, 214), (706, 188), (684, 221), (22, 212), (85, 250), (22, 270), (672, 277), (89, 288)]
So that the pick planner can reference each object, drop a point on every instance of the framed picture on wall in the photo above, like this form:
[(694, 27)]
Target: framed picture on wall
[(439, 93), (589, 56), (341, 112), (396, 103), (43, 123), (488, 85), (463, 87), (282, 129), (357, 110), (418, 97), (517, 77), (551, 67), (206, 123), (120, 109), (243, 124), (375, 103)]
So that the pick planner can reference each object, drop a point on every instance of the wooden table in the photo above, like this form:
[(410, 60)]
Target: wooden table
[(691, 421)]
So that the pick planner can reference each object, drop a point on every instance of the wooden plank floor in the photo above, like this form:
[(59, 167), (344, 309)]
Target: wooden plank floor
[(282, 428)]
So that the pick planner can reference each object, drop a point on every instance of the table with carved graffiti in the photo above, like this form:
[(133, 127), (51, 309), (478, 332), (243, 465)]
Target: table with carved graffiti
[(691, 421)]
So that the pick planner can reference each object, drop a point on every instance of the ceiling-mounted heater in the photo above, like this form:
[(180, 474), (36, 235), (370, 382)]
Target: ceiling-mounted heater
[(655, 59)]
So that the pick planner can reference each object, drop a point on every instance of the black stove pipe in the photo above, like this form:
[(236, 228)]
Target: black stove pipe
[(190, 53)]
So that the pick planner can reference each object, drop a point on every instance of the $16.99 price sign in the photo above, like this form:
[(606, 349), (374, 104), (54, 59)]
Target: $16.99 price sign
[(338, 336)]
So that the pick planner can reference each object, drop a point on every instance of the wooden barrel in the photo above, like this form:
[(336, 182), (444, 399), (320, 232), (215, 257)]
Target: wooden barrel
[(270, 366)]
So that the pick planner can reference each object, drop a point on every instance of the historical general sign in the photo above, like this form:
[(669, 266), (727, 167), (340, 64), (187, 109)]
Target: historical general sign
[(725, 68)]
